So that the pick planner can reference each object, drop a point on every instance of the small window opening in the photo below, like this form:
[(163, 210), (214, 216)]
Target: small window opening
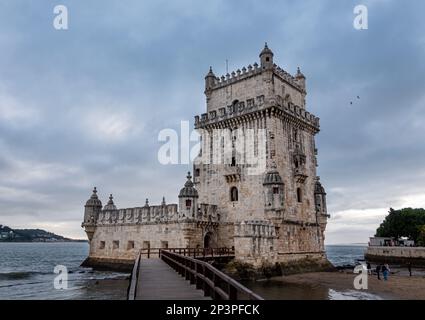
[(299, 195), (234, 194)]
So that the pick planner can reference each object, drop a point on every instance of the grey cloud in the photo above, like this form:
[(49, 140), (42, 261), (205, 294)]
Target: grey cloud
[(143, 63)]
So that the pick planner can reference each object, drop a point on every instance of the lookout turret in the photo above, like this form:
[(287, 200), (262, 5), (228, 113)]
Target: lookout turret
[(92, 208), (266, 58), (188, 199)]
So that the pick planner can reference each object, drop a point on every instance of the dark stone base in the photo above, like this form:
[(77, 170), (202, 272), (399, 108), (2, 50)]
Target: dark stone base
[(105, 264), (245, 271), (416, 262)]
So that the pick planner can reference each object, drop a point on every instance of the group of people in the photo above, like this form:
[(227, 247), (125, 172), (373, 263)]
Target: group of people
[(385, 270)]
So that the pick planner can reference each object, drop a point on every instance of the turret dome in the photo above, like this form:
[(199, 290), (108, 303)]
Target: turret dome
[(110, 206), (94, 200), (272, 177), (318, 188), (188, 190), (266, 50)]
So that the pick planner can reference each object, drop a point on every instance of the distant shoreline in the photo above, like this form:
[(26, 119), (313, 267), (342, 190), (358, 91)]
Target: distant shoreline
[(346, 244), (56, 241)]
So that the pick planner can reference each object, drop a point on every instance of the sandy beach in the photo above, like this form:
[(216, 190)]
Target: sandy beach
[(399, 285)]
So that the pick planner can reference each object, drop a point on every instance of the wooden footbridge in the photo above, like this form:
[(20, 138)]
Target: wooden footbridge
[(184, 274)]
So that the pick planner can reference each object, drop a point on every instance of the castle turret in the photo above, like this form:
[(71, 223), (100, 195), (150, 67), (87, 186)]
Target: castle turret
[(300, 79), (92, 208), (188, 200), (91, 212), (320, 204), (209, 80), (266, 58), (320, 198)]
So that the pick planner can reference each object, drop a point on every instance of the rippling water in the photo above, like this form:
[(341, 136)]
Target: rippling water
[(27, 272), (341, 255)]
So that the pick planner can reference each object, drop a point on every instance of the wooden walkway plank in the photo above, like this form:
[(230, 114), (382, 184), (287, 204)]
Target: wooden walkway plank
[(158, 281)]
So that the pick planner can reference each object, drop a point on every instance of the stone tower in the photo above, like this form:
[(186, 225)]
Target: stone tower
[(91, 212), (254, 184), (188, 200), (276, 204)]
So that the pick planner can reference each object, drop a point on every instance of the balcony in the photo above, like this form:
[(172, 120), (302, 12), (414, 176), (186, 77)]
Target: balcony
[(232, 173), (300, 174)]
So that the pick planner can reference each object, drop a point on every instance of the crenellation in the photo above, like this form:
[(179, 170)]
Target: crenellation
[(254, 104)]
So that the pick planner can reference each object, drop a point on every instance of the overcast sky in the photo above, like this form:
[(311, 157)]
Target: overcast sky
[(83, 107)]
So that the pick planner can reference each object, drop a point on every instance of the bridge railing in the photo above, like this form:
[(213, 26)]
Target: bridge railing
[(132, 289), (213, 282), (189, 252)]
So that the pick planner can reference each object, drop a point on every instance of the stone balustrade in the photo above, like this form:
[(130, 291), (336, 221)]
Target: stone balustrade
[(154, 214), (256, 229), (230, 112)]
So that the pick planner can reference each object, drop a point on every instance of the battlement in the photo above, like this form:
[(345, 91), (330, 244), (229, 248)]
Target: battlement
[(155, 214), (251, 71), (146, 214), (256, 104)]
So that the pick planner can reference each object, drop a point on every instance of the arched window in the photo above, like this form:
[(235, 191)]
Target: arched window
[(235, 104), (188, 203), (299, 195), (233, 194)]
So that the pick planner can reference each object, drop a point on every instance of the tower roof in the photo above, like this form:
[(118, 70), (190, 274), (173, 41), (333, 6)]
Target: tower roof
[(299, 74), (266, 50), (318, 188), (210, 73), (188, 191), (272, 176), (94, 200), (110, 206)]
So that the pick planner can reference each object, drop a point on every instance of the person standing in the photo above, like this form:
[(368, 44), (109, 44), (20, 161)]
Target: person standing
[(385, 271), (369, 269), (409, 267), (378, 271)]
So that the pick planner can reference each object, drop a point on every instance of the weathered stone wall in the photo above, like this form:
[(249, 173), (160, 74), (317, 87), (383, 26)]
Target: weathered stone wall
[(400, 252)]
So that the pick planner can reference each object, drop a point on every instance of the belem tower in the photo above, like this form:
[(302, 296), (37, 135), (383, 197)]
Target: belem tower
[(274, 215)]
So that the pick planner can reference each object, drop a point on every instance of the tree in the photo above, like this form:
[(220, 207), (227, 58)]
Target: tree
[(402, 223), (421, 237)]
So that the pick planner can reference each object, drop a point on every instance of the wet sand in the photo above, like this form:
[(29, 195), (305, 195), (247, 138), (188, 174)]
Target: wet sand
[(399, 285)]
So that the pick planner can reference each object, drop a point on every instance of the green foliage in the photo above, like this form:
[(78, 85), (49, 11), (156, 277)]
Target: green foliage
[(421, 237), (402, 223), (29, 235)]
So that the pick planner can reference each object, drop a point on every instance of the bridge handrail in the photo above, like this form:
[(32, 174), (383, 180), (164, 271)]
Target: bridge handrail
[(132, 288), (192, 252), (207, 278)]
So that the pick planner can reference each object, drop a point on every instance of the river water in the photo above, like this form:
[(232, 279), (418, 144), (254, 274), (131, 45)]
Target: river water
[(27, 272)]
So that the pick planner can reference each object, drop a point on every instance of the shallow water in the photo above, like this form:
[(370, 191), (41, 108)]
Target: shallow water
[(338, 255), (27, 272), (278, 289)]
